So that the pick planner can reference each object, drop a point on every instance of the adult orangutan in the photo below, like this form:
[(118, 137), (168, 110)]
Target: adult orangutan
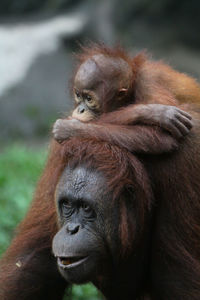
[(146, 232), (28, 269), (129, 235), (113, 89), (104, 216)]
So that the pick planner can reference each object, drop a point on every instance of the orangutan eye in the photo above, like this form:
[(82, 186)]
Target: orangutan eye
[(88, 97), (66, 207), (65, 204), (78, 94), (86, 207)]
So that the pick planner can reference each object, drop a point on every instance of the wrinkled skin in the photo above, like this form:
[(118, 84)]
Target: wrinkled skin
[(81, 218), (87, 246)]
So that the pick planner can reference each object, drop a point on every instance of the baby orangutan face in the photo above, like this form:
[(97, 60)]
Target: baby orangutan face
[(87, 92), (98, 79)]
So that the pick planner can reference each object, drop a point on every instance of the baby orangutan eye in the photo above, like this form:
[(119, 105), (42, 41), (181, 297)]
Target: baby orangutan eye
[(88, 98), (77, 94)]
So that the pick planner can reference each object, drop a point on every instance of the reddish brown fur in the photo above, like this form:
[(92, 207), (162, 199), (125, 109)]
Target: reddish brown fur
[(95, 49), (176, 243), (110, 162), (176, 234), (175, 267), (151, 82)]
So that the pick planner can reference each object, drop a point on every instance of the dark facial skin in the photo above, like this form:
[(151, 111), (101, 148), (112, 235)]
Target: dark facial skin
[(79, 246), (88, 246)]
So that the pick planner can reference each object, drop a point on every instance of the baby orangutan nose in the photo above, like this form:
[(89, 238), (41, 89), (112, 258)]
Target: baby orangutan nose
[(82, 113), (81, 110)]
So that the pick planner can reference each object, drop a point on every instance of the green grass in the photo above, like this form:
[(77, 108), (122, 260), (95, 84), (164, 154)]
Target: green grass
[(20, 168)]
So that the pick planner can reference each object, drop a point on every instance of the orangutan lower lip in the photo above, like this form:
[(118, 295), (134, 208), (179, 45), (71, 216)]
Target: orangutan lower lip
[(69, 262)]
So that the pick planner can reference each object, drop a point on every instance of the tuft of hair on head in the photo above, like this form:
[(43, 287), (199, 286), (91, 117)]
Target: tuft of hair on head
[(94, 49)]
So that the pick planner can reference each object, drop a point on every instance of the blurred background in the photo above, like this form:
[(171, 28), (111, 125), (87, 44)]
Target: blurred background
[(38, 39)]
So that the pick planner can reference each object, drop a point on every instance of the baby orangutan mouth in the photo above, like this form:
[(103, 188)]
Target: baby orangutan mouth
[(69, 262)]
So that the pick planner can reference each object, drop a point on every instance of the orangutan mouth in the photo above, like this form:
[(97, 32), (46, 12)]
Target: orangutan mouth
[(65, 262)]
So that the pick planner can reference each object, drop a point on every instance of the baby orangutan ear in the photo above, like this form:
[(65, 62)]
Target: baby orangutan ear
[(122, 93)]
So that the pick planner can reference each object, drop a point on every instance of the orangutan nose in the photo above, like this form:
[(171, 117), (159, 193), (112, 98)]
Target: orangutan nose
[(72, 228), (81, 110)]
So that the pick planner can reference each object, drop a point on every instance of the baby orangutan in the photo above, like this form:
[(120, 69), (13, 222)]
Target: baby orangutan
[(113, 91)]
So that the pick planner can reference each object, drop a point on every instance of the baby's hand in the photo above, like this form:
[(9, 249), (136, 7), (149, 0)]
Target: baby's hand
[(64, 129)]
